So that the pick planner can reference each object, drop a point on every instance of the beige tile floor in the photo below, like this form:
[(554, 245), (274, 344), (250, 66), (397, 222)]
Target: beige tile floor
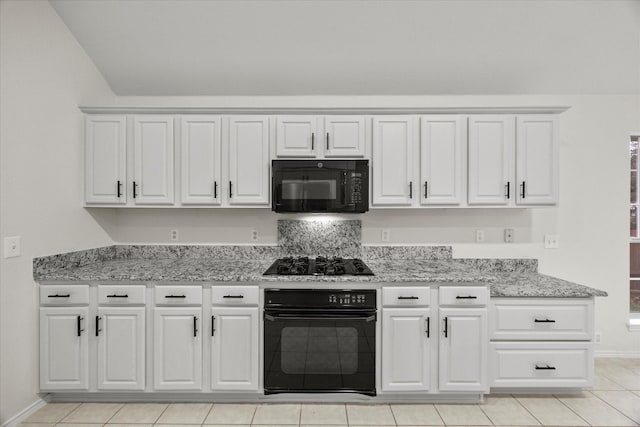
[(614, 400)]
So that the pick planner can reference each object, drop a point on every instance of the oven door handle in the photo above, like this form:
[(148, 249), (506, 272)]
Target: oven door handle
[(270, 318)]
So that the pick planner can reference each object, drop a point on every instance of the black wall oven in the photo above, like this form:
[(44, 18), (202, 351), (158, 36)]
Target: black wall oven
[(320, 186), (319, 341)]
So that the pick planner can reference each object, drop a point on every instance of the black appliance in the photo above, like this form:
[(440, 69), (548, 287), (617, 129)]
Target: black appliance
[(319, 266), (319, 341), (320, 186)]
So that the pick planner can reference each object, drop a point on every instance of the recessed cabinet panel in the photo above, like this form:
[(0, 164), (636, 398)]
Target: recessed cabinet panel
[(64, 348), (392, 167), (120, 333), (296, 136), (249, 170), (153, 160), (105, 160), (201, 160), (441, 163), (537, 160), (344, 136), (405, 349), (491, 160)]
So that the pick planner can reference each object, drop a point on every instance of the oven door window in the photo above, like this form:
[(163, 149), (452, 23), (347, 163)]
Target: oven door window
[(316, 189), (319, 350)]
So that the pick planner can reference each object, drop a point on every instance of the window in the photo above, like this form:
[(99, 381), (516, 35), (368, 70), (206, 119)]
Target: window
[(634, 246)]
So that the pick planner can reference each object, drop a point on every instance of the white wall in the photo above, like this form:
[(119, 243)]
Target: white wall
[(591, 218), (44, 75)]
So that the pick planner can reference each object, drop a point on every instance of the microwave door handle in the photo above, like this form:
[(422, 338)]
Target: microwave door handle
[(344, 186)]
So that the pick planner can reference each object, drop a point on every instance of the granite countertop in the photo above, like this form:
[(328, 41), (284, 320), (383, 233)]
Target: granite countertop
[(186, 269)]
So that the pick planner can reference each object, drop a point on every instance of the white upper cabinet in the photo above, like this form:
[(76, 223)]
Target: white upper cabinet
[(537, 160), (105, 160), (201, 164), (441, 144), (296, 136), (344, 136), (153, 160), (491, 159), (249, 168), (392, 162)]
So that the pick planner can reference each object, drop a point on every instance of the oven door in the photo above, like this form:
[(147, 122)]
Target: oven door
[(319, 353)]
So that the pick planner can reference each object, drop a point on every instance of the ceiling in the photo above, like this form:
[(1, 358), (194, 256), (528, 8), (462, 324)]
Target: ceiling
[(360, 47)]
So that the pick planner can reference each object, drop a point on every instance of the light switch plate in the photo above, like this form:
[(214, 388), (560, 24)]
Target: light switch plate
[(551, 241), (12, 246)]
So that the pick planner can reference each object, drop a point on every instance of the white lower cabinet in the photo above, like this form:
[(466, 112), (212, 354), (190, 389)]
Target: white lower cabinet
[(64, 348), (120, 333), (406, 349), (463, 349), (234, 348), (177, 348)]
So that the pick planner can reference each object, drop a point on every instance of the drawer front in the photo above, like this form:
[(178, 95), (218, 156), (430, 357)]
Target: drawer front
[(178, 295), (418, 296), (64, 294), (464, 295), (235, 295), (120, 295), (541, 320), (541, 364)]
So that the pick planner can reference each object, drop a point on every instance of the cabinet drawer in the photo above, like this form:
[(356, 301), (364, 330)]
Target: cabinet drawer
[(464, 295), (406, 296), (541, 364), (178, 295), (541, 320), (235, 295), (64, 294), (119, 295)]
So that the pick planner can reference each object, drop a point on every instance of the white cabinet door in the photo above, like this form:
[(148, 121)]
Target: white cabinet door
[(121, 338), (463, 349), (441, 159), (105, 160), (405, 349), (249, 171), (201, 176), (234, 348), (153, 160), (64, 348), (344, 136), (296, 136), (392, 164), (537, 160), (491, 160), (177, 343)]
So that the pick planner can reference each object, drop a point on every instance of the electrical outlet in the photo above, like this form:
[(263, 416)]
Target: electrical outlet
[(551, 241), (385, 235), (479, 236), (12, 247), (508, 235), (598, 338), (174, 235), (254, 235)]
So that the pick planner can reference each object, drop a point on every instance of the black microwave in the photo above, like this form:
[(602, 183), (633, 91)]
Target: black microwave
[(320, 186)]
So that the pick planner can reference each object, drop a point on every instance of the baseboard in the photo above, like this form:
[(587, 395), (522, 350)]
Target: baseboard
[(621, 354), (25, 413)]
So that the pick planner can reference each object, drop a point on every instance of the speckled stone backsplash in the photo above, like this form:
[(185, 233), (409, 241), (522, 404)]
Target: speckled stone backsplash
[(228, 252), (386, 253), (502, 265), (330, 238)]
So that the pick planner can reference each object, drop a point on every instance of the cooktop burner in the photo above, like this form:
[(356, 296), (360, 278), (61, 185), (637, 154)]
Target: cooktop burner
[(320, 266)]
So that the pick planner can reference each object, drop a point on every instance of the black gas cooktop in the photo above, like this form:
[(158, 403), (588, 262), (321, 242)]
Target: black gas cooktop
[(319, 266)]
